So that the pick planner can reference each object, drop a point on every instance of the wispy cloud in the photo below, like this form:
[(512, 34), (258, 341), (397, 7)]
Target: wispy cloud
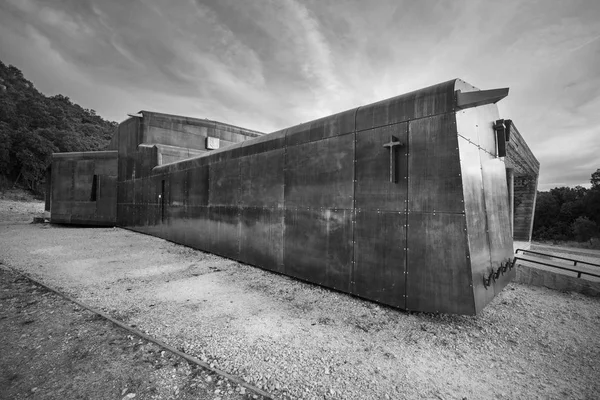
[(267, 64)]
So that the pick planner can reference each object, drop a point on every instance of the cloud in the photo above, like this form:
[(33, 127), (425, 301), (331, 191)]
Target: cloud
[(268, 64)]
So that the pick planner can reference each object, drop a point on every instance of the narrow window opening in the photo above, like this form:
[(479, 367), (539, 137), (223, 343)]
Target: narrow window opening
[(94, 195)]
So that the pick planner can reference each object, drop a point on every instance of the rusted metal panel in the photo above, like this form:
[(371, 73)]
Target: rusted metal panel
[(129, 138), (374, 191), (82, 180), (146, 158), (328, 235), (198, 185), (434, 183), (197, 232), (224, 182), (320, 174), (262, 179), (79, 190), (62, 177), (107, 195), (439, 276), (106, 167), (83, 210), (261, 238), (272, 141), (176, 219), (178, 189), (224, 231), (323, 128), (137, 191), (327, 201), (380, 256), (437, 99)]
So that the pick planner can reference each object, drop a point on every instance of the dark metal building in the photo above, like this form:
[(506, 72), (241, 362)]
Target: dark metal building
[(411, 201)]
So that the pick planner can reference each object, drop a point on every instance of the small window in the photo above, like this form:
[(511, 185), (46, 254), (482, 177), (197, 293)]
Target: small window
[(94, 188)]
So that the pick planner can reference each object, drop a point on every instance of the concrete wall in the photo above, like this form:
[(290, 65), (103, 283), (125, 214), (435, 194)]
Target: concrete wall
[(552, 280)]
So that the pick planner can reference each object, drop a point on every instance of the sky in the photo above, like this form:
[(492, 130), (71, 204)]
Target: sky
[(270, 64)]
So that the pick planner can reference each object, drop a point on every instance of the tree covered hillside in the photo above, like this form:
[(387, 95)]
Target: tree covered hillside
[(33, 126), (565, 213)]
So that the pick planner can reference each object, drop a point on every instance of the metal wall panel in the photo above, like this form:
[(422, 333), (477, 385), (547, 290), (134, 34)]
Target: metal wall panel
[(262, 179), (62, 176), (374, 191), (224, 182), (475, 213), (434, 183), (225, 231), (437, 99), (328, 235), (380, 256), (320, 174), (323, 128), (484, 184), (107, 197), (261, 238), (487, 116), (439, 276), (197, 233), (82, 180), (497, 208), (106, 167), (129, 138), (198, 185), (72, 200), (176, 217), (178, 189), (315, 201)]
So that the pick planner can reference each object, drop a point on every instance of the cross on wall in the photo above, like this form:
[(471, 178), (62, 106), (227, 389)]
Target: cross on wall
[(391, 146)]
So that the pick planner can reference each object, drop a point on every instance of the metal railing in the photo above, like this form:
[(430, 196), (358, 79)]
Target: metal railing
[(562, 258), (575, 262)]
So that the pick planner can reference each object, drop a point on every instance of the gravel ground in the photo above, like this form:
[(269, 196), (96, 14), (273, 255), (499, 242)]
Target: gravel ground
[(298, 340), (53, 349)]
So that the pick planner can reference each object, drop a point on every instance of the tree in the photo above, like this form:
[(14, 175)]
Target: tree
[(584, 229), (33, 126), (596, 179)]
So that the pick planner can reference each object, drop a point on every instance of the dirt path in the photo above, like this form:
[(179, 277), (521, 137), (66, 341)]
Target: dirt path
[(300, 341)]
